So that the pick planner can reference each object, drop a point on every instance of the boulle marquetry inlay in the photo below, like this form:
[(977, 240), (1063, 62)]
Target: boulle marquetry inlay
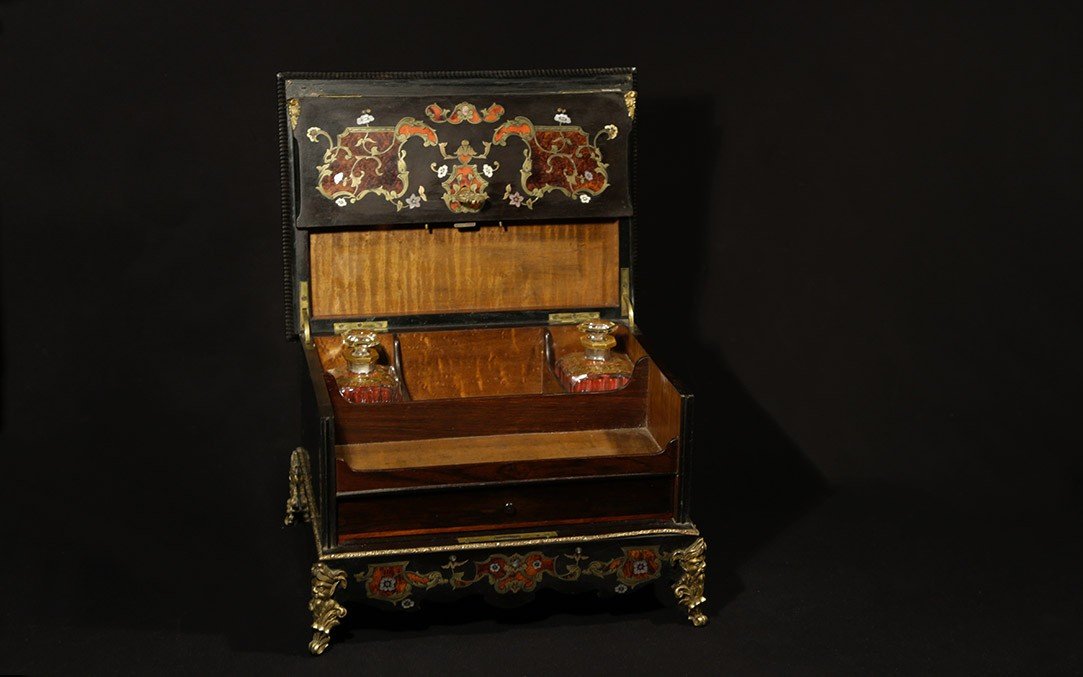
[(465, 186), (562, 157), (367, 160), (464, 112), (395, 582)]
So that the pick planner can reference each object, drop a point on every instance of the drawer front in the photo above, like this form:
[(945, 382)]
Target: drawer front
[(420, 512)]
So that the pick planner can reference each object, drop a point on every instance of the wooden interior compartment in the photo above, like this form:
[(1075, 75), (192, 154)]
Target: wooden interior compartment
[(484, 412), (486, 407), (663, 417), (502, 466), (462, 363), (490, 448), (493, 415), (475, 362), (484, 362), (408, 270), (485, 508)]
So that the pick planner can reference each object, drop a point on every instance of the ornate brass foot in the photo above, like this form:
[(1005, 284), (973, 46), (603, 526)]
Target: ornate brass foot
[(296, 503), (689, 587), (326, 612)]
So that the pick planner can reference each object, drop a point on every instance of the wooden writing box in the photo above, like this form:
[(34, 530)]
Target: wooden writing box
[(473, 219)]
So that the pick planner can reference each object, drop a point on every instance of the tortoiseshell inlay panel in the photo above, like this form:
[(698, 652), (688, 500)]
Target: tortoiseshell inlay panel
[(368, 153)]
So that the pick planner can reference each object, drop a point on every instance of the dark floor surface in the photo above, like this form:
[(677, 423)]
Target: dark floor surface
[(867, 580)]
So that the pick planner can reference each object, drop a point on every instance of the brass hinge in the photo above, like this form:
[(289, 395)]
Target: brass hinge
[(572, 318), (305, 330), (626, 309), (374, 325)]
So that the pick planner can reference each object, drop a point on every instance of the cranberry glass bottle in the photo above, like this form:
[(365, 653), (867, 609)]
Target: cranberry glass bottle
[(597, 368), (364, 380)]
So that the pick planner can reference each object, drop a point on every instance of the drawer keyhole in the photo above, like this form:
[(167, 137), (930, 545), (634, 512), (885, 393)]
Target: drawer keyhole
[(509, 508)]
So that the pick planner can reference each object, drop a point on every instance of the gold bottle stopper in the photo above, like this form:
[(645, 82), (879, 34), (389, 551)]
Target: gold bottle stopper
[(597, 337), (359, 349)]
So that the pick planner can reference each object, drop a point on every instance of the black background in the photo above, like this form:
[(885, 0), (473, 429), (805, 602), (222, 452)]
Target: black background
[(861, 249)]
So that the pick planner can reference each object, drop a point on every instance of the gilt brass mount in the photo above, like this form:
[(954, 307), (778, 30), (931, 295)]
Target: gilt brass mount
[(689, 588)]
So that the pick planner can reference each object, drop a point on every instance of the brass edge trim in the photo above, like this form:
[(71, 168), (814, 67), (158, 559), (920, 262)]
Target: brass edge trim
[(626, 308), (517, 537), (323, 95), (310, 499), (691, 531)]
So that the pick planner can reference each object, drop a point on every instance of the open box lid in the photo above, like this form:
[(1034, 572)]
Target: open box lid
[(384, 174)]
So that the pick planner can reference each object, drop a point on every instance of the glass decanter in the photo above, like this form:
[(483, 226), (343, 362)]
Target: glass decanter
[(597, 368), (364, 380)]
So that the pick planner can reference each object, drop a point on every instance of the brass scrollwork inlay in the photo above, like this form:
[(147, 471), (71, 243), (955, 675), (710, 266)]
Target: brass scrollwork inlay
[(365, 160), (465, 186), (560, 158), (630, 102)]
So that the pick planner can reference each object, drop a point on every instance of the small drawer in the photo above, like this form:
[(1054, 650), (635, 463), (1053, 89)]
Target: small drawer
[(473, 509)]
